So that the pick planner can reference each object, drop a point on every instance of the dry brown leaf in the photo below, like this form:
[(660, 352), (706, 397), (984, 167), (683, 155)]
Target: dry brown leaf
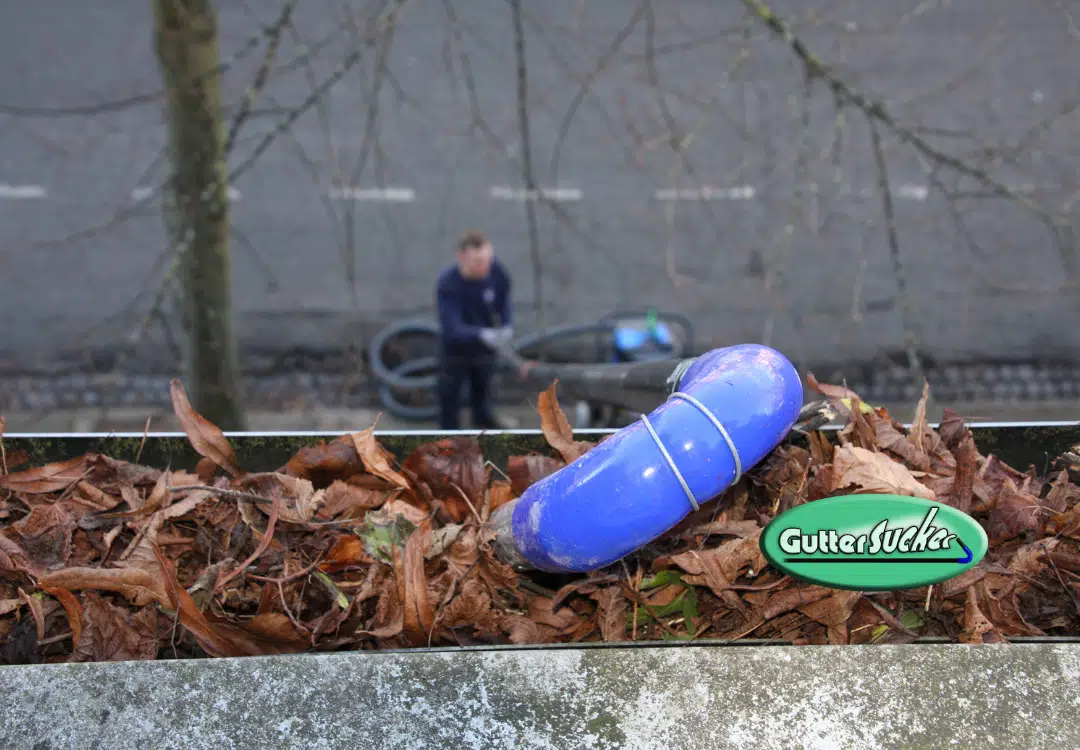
[(113, 476), (14, 560), (541, 610), (499, 576), (348, 551), (890, 439), (388, 621), (557, 430), (585, 586), (1004, 612), (525, 471), (832, 392), (920, 429), (718, 567), (71, 607), (7, 606), (611, 613), (205, 470), (464, 552), (205, 437), (499, 494), (52, 477), (442, 539), (344, 501), (874, 473), (976, 628), (376, 459), (472, 608), (34, 605), (111, 633), (967, 462), (793, 597), (953, 428), (834, 610), (1015, 513), (418, 617), (139, 586), (326, 462), (449, 465), (44, 535), (1066, 524), (524, 631), (964, 581), (264, 634), (1063, 494), (299, 499)]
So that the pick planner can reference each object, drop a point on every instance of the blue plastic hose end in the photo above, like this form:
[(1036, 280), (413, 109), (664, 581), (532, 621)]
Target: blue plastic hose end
[(624, 493)]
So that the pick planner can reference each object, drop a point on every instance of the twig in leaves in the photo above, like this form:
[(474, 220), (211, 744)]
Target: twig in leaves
[(468, 502), (145, 432), (268, 536), (225, 493), (291, 576), (1068, 589)]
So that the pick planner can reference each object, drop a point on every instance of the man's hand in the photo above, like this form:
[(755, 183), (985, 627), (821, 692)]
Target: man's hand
[(496, 338)]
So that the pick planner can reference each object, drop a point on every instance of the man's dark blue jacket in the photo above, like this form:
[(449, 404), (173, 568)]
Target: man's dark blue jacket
[(465, 306)]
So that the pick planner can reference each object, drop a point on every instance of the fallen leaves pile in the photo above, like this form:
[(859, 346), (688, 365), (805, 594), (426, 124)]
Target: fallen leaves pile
[(341, 548)]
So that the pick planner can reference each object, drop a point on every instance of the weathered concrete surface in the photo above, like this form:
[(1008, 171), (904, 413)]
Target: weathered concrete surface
[(316, 272), (1019, 696)]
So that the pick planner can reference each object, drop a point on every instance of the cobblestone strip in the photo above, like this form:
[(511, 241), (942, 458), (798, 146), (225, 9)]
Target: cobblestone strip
[(1001, 383)]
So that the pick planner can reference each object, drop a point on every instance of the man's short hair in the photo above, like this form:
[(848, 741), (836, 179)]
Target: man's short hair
[(472, 240)]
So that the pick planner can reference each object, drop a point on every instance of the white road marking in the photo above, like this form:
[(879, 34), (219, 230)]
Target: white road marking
[(707, 193), (556, 195), (22, 192), (142, 193), (384, 195), (912, 192)]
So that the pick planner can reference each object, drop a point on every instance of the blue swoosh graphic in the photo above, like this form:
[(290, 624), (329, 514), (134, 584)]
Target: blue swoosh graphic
[(969, 558)]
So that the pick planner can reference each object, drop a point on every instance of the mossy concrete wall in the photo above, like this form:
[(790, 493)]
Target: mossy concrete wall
[(917, 696)]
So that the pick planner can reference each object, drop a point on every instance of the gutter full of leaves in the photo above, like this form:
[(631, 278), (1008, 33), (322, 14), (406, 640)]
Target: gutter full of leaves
[(343, 548)]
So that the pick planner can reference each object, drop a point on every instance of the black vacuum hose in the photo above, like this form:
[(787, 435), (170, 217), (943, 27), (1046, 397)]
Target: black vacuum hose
[(406, 375)]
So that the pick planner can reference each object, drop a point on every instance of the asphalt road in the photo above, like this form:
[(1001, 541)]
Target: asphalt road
[(766, 224)]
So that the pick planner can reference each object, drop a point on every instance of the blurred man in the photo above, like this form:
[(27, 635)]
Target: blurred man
[(476, 319)]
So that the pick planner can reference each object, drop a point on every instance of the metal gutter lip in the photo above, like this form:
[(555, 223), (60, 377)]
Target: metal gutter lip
[(441, 433)]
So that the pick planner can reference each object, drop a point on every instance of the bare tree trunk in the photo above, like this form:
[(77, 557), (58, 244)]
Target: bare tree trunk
[(197, 208)]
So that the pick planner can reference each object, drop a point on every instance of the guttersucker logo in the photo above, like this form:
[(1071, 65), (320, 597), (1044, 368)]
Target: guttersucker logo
[(873, 542)]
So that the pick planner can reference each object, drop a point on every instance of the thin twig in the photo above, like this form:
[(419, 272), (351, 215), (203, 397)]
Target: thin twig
[(264, 544), (527, 174), (223, 492), (291, 576), (468, 502), (906, 313), (146, 431), (263, 73)]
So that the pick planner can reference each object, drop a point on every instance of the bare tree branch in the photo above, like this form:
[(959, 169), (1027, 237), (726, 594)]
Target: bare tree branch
[(527, 175), (263, 73), (907, 319)]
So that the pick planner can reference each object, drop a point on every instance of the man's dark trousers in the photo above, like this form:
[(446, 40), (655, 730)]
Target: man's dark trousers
[(454, 372)]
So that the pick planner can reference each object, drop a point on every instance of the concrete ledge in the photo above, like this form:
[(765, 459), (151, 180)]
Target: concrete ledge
[(918, 696)]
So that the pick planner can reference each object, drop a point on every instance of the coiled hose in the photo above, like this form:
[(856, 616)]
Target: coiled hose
[(418, 374)]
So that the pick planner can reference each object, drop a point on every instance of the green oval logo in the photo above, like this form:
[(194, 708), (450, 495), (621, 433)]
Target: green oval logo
[(873, 542)]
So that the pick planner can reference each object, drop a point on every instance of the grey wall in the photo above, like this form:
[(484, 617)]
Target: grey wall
[(766, 257)]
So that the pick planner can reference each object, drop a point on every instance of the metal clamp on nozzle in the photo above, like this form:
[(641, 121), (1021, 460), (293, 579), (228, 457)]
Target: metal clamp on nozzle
[(677, 374)]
